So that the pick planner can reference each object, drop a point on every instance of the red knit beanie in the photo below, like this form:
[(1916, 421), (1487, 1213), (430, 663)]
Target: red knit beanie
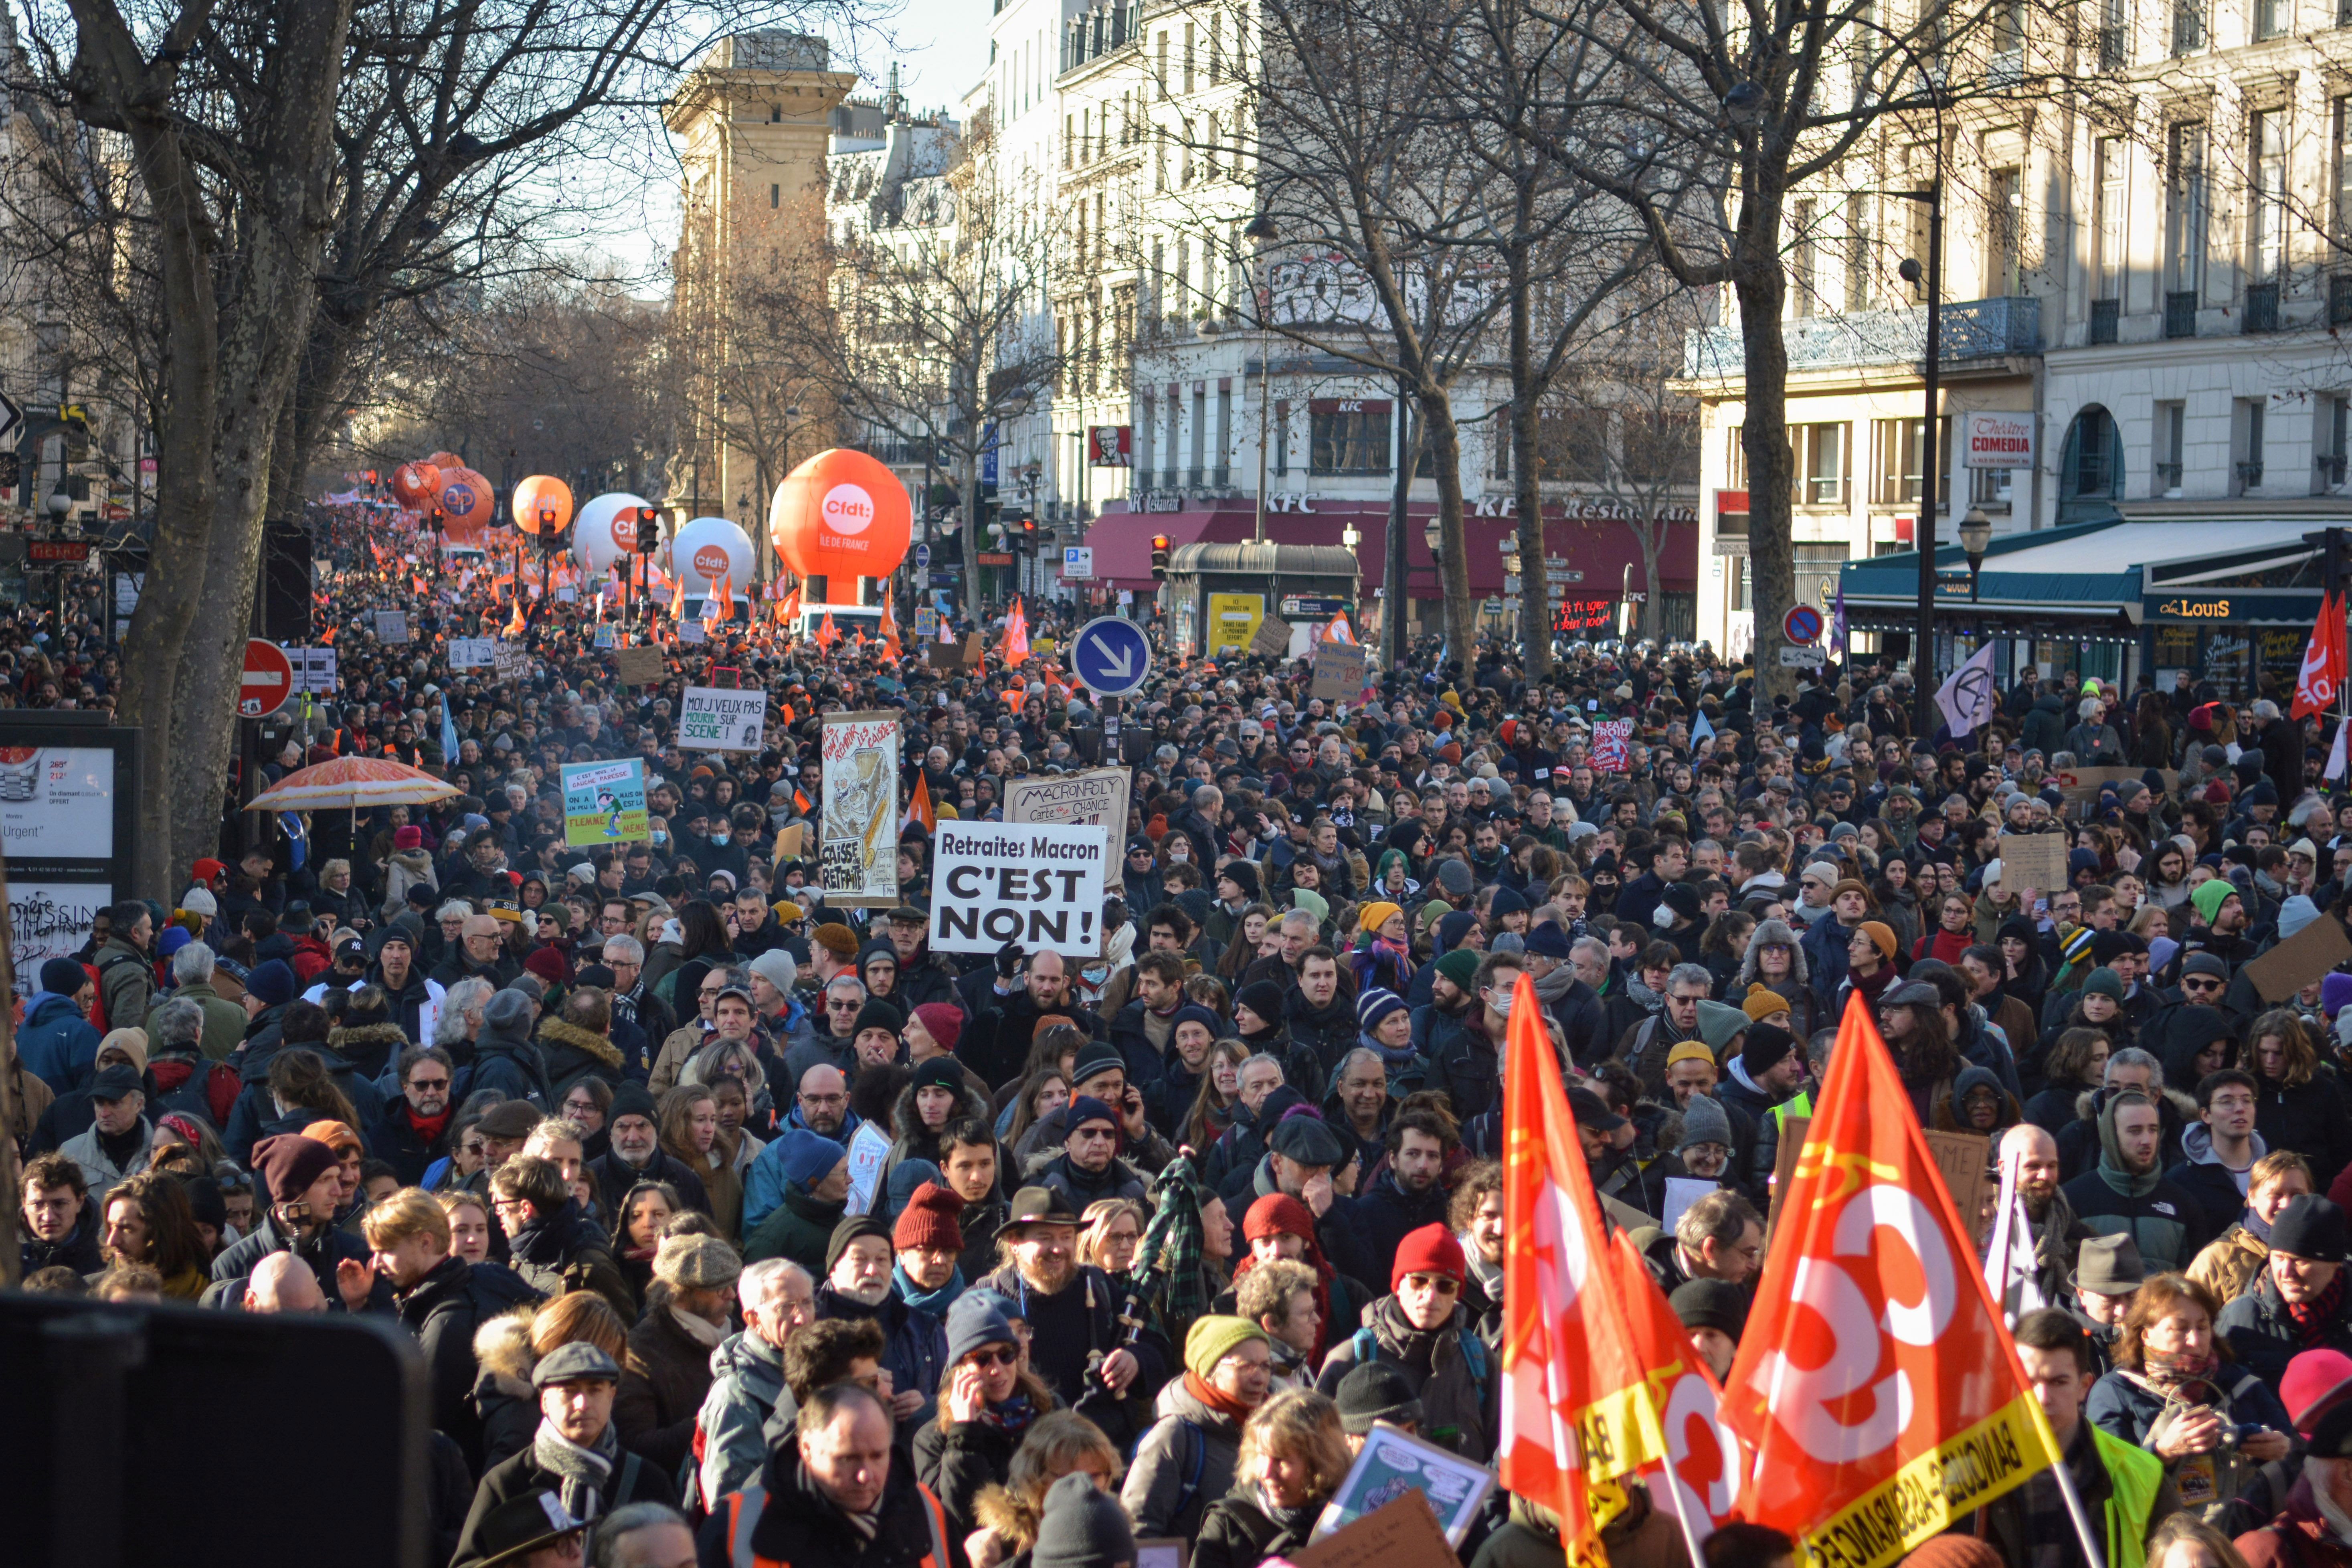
[(1432, 1249), (929, 1220), (943, 1023), (549, 965), (1277, 1213), (289, 1163)]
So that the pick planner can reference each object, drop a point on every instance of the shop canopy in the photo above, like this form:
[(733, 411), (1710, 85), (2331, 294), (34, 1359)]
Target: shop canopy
[(2116, 571)]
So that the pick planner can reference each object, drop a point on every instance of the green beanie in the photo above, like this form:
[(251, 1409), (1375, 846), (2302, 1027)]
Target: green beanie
[(1460, 966), (2207, 896), (2103, 983), (1719, 1025), (1212, 1339)]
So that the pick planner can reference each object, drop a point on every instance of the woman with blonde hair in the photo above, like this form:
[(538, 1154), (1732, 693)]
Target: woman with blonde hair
[(1009, 1514), (470, 1225), (1294, 1456), (2185, 1541), (690, 1132), (1109, 1233), (1213, 1107)]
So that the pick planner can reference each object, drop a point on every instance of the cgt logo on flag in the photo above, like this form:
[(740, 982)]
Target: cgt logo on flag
[(2321, 679), (1876, 1383)]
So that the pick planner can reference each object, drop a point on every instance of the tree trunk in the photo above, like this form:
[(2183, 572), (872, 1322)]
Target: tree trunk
[(1527, 480), (1445, 441), (968, 486), (1653, 606), (1764, 437)]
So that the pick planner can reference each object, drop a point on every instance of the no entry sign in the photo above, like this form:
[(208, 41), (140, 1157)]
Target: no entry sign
[(267, 681)]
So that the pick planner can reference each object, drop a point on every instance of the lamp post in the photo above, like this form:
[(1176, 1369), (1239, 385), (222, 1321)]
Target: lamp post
[(1976, 537), (1261, 233), (1351, 536)]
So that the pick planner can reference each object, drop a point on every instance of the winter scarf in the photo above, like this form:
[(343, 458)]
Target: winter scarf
[(1293, 1522), (1217, 1399), (2170, 1374), (935, 1302), (429, 1127), (1396, 1061), (2314, 1317), (583, 1471), (1171, 1246), (1013, 1416), (698, 1329), (1550, 987)]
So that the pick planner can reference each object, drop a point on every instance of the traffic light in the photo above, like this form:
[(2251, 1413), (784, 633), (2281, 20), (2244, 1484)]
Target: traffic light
[(1029, 534), (1159, 558), (648, 530)]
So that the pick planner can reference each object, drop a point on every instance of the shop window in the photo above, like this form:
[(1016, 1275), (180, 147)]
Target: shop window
[(1349, 434)]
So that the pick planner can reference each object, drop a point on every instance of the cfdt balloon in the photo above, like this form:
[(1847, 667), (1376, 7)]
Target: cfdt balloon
[(708, 549), (841, 514), (465, 506), (542, 505), (446, 460), (415, 484), (607, 531)]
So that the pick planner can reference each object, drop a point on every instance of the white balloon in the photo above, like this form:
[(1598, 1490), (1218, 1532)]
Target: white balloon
[(601, 536), (710, 547)]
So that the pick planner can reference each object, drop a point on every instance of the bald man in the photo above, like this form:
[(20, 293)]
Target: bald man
[(479, 954), (283, 1282), (2033, 1155)]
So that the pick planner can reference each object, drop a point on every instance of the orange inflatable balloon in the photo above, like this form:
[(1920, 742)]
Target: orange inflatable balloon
[(446, 460), (543, 504), (841, 514), (416, 484), (465, 506)]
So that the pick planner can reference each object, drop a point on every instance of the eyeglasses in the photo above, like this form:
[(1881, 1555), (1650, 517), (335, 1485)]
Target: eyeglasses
[(1437, 1282), (988, 1356), (1092, 1133), (822, 1101)]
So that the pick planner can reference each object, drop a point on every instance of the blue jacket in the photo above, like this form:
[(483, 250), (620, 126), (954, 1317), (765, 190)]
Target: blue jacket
[(56, 1044), (763, 1179)]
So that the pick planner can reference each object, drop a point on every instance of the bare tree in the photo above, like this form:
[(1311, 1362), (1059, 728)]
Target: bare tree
[(930, 335)]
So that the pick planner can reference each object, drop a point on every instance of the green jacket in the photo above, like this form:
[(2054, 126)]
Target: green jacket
[(224, 1019), (800, 1229)]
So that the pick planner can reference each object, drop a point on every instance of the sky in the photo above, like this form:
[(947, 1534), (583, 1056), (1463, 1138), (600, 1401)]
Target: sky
[(626, 206)]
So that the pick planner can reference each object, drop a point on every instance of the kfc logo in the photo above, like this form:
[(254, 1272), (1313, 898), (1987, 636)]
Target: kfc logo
[(849, 509)]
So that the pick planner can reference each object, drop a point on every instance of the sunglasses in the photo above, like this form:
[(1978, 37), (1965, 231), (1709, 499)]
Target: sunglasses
[(988, 1357), (1439, 1283), (428, 1083), (2197, 982)]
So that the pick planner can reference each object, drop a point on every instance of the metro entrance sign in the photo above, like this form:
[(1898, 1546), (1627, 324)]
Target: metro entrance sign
[(267, 681)]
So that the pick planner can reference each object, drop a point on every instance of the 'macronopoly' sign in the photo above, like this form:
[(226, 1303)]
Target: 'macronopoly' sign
[(1033, 884)]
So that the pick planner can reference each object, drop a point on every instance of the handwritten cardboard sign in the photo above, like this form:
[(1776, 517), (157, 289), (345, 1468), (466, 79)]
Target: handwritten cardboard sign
[(1403, 1534), (1273, 639), (639, 665), (1096, 796), (1960, 1158), (1338, 671), (2035, 860), (2309, 955)]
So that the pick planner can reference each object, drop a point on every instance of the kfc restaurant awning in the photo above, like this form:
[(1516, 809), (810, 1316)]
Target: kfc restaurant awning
[(1593, 547)]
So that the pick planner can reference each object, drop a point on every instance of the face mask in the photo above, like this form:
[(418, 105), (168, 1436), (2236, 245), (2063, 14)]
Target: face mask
[(719, 837), (1498, 1002), (661, 838), (1662, 917)]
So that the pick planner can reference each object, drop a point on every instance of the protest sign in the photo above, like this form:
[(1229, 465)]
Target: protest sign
[(1273, 639), (1402, 1533), (314, 670), (473, 652), (1036, 884), (1099, 797), (2035, 860), (2301, 959), (1393, 1464), (1962, 1157), (869, 1146), (605, 802), (858, 847), (513, 660), (712, 719), (392, 626), (603, 639), (2081, 786), (1612, 744), (639, 665), (692, 631), (1338, 671)]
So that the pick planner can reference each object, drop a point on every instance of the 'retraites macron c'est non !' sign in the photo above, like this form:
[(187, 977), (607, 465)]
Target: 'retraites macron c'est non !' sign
[(1032, 883)]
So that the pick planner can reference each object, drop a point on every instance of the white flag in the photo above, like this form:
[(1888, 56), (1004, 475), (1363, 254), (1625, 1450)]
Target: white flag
[(1971, 696), (2336, 752), (2009, 1256)]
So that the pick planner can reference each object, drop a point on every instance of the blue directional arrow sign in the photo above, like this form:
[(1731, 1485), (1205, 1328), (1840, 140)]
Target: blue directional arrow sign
[(1112, 656)]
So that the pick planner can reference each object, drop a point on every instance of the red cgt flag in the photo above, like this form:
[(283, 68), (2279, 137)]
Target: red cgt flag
[(1876, 1383), (2322, 679), (1698, 1476), (1575, 1409)]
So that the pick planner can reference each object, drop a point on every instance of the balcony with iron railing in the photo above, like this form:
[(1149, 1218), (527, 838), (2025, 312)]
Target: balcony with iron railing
[(2260, 313), (1968, 329)]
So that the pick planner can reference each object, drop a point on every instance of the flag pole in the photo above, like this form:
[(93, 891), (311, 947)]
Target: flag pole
[(2065, 1478)]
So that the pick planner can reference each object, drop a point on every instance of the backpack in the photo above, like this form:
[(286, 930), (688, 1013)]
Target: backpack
[(98, 1000), (1188, 1497)]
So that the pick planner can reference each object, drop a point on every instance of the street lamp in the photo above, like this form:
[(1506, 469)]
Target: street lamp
[(1261, 234), (1976, 537)]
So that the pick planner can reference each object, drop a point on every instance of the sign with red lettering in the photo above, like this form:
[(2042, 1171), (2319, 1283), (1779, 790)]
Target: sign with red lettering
[(1998, 440)]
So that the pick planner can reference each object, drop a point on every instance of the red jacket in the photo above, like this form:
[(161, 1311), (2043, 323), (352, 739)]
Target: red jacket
[(1944, 944), (2296, 1538)]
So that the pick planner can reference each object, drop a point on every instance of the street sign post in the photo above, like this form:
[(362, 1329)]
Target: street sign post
[(1077, 561), (268, 680), (1112, 656), (922, 557), (1801, 658), (12, 418), (1801, 625)]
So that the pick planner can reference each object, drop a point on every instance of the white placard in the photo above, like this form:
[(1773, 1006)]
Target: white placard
[(692, 631), (392, 626), (1993, 440), (868, 1147), (314, 671), (857, 838), (51, 920), (1681, 1193), (473, 652), (56, 803), (1033, 884), (714, 719)]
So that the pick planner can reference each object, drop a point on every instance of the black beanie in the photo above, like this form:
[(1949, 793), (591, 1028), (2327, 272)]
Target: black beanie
[(849, 1230), (1768, 1045)]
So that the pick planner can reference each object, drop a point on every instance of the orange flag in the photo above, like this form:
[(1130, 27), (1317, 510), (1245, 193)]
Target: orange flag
[(827, 634), (1016, 636), (1893, 1403), (1575, 1408), (1698, 1474), (889, 628), (919, 808), (677, 601), (790, 610), (515, 627)]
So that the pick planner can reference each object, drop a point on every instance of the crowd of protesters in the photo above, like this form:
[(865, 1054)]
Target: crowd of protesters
[(734, 1228)]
